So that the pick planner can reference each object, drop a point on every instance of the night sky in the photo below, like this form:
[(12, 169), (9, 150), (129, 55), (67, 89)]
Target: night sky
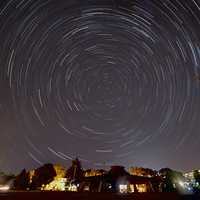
[(112, 82)]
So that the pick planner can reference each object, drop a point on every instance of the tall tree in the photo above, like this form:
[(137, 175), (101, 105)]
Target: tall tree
[(21, 181), (115, 174), (43, 175), (75, 172), (171, 180), (168, 184)]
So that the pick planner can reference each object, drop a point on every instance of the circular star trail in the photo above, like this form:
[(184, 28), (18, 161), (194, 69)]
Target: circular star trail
[(112, 82)]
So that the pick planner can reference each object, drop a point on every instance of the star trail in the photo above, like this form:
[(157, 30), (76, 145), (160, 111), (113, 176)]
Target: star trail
[(112, 82)]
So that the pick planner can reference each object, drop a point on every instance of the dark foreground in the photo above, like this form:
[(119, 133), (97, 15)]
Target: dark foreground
[(95, 196)]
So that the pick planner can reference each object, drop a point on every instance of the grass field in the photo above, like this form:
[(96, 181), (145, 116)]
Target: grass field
[(95, 196)]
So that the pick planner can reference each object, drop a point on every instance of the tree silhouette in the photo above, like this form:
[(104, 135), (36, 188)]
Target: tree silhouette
[(196, 175), (115, 174), (75, 172), (171, 180), (43, 175), (5, 178), (21, 181)]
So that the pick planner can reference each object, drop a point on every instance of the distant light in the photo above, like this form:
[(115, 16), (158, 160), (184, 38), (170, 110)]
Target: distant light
[(4, 188), (181, 184)]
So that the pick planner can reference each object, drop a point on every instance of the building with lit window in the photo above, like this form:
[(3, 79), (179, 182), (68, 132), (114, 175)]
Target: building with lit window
[(118, 180)]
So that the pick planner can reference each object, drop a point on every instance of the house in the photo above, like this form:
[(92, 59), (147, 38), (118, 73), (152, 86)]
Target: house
[(118, 180)]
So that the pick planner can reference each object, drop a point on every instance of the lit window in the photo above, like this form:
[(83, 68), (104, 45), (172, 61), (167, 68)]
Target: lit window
[(123, 188)]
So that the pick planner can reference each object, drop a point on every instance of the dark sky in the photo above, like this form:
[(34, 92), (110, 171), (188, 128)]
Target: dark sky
[(112, 82)]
